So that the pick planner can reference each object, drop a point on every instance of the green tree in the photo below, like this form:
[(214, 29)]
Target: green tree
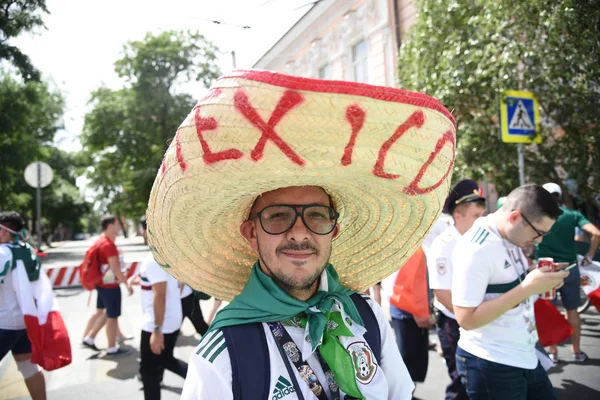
[(17, 16), (466, 52), (127, 131), (31, 116)]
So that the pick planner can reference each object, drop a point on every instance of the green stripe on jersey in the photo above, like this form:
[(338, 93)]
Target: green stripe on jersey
[(212, 345), (484, 237), (206, 340), (477, 232)]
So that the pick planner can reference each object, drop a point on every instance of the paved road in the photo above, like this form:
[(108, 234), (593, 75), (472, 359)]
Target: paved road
[(94, 376)]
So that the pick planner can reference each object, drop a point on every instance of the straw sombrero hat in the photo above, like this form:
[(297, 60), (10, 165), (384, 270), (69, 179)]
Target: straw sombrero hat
[(384, 155)]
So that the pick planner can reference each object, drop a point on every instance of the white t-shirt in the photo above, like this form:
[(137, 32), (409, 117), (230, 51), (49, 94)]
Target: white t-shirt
[(11, 317), (439, 226), (209, 372), (186, 291), (151, 273), (439, 264), (481, 258)]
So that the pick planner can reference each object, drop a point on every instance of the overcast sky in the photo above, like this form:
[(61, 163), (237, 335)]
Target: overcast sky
[(84, 38)]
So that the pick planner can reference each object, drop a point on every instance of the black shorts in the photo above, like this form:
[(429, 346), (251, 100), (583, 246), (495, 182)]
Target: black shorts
[(15, 341), (109, 299)]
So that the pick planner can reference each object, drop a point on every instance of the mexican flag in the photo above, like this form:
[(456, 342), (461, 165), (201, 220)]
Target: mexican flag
[(50, 344), (590, 281)]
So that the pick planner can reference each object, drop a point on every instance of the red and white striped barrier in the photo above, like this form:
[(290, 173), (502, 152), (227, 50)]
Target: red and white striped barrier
[(63, 277)]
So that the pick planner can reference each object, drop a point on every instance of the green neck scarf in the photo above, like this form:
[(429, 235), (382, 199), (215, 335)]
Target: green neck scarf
[(263, 300)]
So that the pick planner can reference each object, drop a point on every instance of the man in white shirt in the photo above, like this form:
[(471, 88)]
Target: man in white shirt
[(162, 318), (465, 204), (276, 196), (492, 299)]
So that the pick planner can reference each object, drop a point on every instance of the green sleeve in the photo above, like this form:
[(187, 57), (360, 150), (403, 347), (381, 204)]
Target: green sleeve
[(581, 220)]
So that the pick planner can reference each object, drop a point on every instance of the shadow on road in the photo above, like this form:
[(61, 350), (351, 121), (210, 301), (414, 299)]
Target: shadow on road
[(187, 341), (575, 390), (126, 366)]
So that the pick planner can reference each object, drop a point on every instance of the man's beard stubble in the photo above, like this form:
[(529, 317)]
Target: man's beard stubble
[(287, 283)]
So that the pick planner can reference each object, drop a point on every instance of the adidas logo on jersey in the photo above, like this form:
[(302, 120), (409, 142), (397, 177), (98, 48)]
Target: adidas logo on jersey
[(506, 264), (283, 387)]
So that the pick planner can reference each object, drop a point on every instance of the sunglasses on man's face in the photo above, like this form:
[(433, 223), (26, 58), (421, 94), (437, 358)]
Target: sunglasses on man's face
[(539, 233), (280, 218)]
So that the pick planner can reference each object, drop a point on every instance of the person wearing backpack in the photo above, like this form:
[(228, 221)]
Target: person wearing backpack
[(275, 195), (108, 303)]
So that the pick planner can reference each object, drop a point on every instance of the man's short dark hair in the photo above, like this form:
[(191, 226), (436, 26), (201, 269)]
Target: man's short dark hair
[(12, 220), (463, 207), (107, 220), (534, 201)]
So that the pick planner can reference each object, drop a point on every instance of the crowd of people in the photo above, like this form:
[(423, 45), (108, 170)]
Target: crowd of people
[(484, 285), (294, 233)]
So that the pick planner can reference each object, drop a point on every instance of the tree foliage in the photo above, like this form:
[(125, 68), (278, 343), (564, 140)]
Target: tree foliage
[(127, 131), (17, 16), (31, 117), (466, 52)]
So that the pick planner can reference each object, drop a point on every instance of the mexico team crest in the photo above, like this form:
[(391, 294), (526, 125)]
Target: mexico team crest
[(363, 360)]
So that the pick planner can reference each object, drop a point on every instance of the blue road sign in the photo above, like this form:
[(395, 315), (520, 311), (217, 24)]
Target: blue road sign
[(520, 118)]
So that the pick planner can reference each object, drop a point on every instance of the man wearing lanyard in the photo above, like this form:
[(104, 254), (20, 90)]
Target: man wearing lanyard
[(276, 195), (491, 297), (465, 204)]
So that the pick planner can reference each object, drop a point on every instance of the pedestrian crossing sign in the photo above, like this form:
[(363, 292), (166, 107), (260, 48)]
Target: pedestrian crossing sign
[(519, 117)]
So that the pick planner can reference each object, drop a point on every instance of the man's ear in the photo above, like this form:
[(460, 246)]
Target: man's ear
[(336, 230), (248, 231), (513, 215)]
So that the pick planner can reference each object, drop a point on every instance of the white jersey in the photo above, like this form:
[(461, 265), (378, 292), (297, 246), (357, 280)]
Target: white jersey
[(439, 264), (151, 273), (209, 372), (11, 316), (483, 258), (439, 226)]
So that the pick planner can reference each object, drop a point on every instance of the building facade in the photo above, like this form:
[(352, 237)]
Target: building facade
[(353, 40)]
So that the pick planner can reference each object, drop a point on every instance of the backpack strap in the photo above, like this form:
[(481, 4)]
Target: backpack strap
[(373, 334), (250, 364), (249, 352)]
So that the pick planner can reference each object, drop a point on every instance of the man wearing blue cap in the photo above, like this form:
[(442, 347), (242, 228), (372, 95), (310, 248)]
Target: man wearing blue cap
[(465, 204)]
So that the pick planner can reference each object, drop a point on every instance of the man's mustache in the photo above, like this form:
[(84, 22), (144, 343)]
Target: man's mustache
[(297, 247)]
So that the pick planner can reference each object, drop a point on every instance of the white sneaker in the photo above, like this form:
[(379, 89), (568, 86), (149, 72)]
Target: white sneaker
[(580, 357)]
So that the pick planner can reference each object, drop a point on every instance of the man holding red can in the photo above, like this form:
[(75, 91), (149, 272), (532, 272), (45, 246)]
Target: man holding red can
[(491, 297), (560, 245)]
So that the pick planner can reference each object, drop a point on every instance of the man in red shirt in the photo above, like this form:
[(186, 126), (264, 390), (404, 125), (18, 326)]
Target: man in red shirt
[(109, 292)]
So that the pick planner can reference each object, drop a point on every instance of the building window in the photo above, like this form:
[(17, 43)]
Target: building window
[(360, 61), (325, 72)]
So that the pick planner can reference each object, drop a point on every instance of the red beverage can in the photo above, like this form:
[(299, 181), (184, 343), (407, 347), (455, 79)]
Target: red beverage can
[(547, 262)]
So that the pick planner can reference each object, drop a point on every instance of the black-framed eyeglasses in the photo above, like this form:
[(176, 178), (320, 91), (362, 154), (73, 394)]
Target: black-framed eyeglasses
[(538, 232), (280, 218)]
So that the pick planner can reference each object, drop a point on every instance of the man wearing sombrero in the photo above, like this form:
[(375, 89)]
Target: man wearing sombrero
[(287, 195)]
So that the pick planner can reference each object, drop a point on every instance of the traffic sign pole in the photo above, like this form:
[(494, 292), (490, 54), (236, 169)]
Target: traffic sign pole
[(38, 192), (520, 123), (38, 175), (521, 152)]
